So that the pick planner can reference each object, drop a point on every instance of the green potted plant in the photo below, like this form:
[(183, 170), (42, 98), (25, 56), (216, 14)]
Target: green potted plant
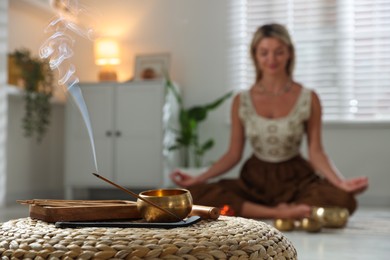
[(37, 80), (187, 136)]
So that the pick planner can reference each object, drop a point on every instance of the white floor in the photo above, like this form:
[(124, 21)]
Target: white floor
[(367, 236), (360, 240)]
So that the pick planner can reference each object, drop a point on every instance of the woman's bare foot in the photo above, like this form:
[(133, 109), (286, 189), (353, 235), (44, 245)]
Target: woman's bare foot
[(282, 210), (292, 211)]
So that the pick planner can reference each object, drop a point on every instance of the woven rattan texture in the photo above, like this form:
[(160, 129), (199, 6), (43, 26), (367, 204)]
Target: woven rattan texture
[(225, 238)]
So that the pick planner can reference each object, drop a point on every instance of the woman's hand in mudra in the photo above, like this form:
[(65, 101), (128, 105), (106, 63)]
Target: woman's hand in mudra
[(355, 185), (183, 180)]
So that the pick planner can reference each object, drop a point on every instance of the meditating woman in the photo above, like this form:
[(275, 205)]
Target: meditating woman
[(274, 114)]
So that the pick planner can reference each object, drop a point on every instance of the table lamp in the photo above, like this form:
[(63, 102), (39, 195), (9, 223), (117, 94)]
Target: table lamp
[(107, 56)]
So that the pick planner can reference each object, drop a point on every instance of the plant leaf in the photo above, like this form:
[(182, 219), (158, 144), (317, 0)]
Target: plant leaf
[(189, 118), (38, 78), (170, 86), (174, 147), (219, 101), (208, 145), (197, 113)]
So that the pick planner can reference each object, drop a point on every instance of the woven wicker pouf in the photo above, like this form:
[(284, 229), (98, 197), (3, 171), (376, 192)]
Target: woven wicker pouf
[(225, 238)]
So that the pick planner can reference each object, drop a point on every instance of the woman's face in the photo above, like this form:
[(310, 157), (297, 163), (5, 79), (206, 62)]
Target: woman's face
[(272, 56)]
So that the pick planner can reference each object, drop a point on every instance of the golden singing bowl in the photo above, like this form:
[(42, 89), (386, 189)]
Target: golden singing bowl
[(311, 225), (284, 224), (333, 217), (176, 201)]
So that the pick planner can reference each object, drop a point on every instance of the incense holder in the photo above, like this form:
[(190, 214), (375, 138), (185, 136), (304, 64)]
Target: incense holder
[(176, 201)]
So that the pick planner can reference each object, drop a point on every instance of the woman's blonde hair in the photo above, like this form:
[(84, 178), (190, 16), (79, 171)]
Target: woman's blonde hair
[(279, 32)]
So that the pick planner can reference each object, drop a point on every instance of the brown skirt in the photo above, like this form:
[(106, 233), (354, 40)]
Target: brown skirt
[(269, 184)]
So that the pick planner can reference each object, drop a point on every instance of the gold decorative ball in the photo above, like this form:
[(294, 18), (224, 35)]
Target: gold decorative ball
[(176, 201), (311, 225), (284, 224), (332, 217)]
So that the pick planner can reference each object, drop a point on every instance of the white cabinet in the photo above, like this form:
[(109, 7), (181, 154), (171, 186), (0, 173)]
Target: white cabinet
[(127, 123)]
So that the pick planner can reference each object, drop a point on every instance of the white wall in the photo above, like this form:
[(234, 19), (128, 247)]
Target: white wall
[(196, 35), (3, 98), (33, 170), (362, 150)]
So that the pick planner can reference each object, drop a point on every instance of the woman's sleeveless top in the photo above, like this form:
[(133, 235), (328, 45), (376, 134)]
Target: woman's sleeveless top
[(278, 139)]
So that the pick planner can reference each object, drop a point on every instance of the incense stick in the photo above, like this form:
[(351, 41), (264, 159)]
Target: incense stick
[(49, 202), (137, 196)]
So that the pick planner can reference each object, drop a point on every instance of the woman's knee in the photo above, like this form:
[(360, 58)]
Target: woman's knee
[(349, 202)]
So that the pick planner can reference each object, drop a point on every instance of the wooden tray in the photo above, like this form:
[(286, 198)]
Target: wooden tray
[(82, 210), (97, 210)]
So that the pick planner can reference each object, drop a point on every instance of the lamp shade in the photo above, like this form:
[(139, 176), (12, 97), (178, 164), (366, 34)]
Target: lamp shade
[(106, 52)]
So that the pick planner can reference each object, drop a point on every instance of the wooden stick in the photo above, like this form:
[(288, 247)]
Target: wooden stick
[(205, 212), (137, 196), (34, 201), (72, 205), (49, 202)]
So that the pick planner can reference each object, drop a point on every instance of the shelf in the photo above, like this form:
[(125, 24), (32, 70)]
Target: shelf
[(13, 91)]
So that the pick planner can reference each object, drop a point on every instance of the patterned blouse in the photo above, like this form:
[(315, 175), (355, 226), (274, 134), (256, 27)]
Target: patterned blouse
[(278, 139)]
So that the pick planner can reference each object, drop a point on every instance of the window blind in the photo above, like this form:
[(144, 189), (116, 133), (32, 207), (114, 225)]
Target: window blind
[(342, 51)]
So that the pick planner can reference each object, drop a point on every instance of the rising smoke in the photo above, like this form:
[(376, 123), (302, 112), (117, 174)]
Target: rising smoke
[(58, 49)]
